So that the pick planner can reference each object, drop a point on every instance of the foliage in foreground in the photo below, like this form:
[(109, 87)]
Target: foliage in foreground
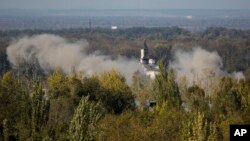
[(101, 107)]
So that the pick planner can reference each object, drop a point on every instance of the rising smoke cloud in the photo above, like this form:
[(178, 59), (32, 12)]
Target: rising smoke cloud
[(51, 52), (199, 66)]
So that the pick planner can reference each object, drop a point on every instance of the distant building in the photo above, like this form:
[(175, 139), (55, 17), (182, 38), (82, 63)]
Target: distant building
[(114, 27), (144, 54), (150, 68)]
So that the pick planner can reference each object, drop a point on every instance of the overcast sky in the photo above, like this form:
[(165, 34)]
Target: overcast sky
[(125, 4)]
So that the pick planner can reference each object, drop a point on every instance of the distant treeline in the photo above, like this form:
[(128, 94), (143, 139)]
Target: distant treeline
[(138, 32)]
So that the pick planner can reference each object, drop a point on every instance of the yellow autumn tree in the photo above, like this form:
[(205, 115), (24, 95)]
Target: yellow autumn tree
[(118, 96), (57, 84)]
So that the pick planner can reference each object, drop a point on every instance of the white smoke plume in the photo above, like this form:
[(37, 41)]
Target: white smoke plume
[(53, 52), (199, 66)]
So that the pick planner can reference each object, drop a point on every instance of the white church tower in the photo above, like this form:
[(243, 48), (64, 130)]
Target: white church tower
[(148, 64), (144, 54)]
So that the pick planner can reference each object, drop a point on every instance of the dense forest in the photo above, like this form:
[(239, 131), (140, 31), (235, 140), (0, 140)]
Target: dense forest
[(76, 106)]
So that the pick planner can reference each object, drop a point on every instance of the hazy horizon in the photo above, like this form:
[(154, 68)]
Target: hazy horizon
[(93, 9), (123, 5), (188, 19)]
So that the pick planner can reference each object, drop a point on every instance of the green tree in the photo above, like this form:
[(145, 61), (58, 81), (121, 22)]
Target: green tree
[(226, 100), (62, 92), (166, 89), (92, 87), (117, 95), (10, 99), (199, 129), (58, 84), (196, 99), (40, 110), (5, 130), (83, 126)]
